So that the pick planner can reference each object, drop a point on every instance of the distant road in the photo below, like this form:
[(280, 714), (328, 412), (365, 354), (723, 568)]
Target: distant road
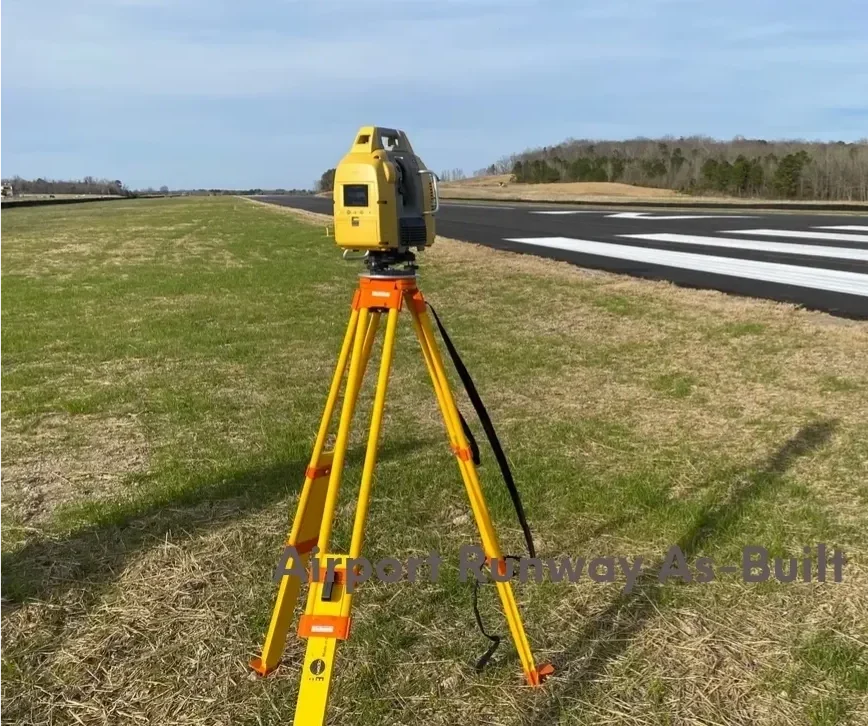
[(816, 260)]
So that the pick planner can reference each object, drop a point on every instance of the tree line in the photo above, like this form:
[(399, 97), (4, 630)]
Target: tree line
[(106, 187), (326, 182), (88, 185), (698, 165)]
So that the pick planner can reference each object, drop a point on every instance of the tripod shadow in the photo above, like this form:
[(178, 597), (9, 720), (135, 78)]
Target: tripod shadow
[(91, 557), (610, 633)]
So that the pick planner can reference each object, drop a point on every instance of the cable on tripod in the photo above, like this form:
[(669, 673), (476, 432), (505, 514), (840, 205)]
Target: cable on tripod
[(502, 463)]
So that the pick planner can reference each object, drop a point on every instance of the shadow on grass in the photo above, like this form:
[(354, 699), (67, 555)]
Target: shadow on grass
[(95, 555), (610, 633)]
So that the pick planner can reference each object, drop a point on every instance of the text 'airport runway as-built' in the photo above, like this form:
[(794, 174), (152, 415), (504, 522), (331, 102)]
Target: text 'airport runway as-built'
[(815, 260)]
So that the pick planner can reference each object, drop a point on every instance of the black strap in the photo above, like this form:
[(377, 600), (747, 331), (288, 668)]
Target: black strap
[(505, 471), (495, 639), (490, 433)]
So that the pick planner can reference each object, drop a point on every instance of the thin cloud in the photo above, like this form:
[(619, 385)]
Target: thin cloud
[(471, 80)]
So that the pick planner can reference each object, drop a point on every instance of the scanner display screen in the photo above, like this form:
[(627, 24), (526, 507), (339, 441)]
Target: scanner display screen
[(355, 195)]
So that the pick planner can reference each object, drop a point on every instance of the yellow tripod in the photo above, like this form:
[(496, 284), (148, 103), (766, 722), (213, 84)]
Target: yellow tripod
[(326, 617)]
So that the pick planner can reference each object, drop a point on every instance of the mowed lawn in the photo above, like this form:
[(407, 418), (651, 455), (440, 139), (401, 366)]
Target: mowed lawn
[(164, 366)]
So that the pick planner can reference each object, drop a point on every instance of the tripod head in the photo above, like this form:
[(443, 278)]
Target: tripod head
[(385, 199), (390, 263)]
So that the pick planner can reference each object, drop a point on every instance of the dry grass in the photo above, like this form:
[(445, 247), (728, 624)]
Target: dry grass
[(636, 414), (499, 187), (561, 190), (61, 457), (747, 362), (313, 217)]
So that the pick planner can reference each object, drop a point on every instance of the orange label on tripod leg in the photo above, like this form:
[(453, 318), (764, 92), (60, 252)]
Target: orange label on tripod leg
[(324, 626)]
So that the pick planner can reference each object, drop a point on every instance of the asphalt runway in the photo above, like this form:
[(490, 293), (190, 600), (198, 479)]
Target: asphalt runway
[(818, 261)]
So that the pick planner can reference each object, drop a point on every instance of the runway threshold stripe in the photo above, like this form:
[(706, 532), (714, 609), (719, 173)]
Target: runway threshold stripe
[(848, 227), (851, 283), (799, 234), (786, 248)]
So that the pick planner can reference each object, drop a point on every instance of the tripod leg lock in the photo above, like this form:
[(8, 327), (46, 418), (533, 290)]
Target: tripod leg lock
[(465, 454), (316, 472)]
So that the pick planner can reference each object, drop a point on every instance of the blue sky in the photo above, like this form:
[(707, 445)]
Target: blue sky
[(193, 93)]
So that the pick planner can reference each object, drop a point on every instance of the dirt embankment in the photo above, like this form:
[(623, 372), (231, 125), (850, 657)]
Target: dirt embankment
[(500, 187)]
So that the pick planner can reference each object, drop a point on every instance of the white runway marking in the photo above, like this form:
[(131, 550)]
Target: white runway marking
[(831, 236), (646, 215), (843, 253), (477, 206), (852, 283), (570, 211), (848, 227)]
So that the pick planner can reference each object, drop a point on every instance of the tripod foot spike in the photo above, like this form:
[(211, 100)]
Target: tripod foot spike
[(539, 675), (260, 669)]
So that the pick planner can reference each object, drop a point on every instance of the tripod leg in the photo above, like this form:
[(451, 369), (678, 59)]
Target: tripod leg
[(351, 395), (458, 441), (309, 511), (327, 616), (310, 625), (374, 436), (370, 337)]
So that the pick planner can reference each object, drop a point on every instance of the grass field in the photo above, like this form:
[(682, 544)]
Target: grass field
[(164, 367)]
